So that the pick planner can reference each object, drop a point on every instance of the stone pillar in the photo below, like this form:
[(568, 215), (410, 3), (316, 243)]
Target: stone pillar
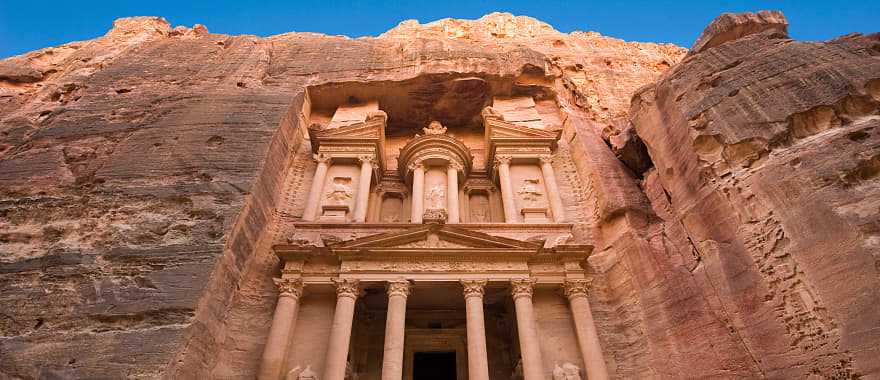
[(317, 187), (552, 188), (452, 208), (506, 188), (478, 362), (340, 333), (529, 346), (282, 326), (392, 359), (585, 328), (363, 194), (418, 192)]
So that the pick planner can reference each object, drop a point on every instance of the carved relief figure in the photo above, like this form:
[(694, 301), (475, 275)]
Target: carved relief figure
[(434, 128), (479, 209), (530, 192), (340, 191), (436, 196)]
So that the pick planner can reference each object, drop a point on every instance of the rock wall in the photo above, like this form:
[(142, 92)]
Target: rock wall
[(144, 174)]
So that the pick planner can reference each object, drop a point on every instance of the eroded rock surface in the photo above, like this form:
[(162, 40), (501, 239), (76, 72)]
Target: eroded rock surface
[(144, 175)]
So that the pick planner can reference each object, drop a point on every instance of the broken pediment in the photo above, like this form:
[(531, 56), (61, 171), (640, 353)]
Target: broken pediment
[(433, 236)]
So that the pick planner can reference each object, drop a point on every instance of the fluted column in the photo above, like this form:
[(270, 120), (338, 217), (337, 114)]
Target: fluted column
[(478, 362), (283, 323), (452, 206), (318, 180), (585, 328), (552, 188), (503, 163), (529, 346), (347, 291), (392, 359), (418, 192), (363, 194)]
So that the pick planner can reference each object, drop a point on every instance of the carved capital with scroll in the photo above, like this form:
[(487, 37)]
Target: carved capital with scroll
[(576, 288), (398, 288), (347, 287), (473, 288), (289, 287), (522, 287)]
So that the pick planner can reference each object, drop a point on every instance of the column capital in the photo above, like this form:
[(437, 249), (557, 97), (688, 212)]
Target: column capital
[(576, 288), (323, 158), (398, 288), (455, 166), (289, 287), (522, 287), (545, 159), (366, 158), (416, 165), (503, 159), (473, 288), (347, 287)]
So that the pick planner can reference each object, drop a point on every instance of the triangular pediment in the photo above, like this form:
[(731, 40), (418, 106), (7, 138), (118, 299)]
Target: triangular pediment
[(364, 130), (435, 237)]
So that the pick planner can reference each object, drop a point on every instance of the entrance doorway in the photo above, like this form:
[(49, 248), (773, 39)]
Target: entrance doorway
[(434, 366)]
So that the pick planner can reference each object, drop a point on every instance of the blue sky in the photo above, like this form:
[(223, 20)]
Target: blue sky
[(27, 25)]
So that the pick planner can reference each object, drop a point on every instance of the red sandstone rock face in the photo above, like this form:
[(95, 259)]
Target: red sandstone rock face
[(765, 152), (143, 175)]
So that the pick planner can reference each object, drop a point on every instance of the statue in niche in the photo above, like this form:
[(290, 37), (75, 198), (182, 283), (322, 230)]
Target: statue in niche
[(340, 191), (529, 192), (568, 371), (434, 128), (480, 210), (435, 196), (391, 207)]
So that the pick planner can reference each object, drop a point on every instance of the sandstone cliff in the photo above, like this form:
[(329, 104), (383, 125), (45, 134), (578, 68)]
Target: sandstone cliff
[(143, 175)]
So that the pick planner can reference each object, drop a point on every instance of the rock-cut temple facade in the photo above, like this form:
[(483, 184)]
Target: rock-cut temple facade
[(484, 199)]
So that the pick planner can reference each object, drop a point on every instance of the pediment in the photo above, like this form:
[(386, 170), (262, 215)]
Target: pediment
[(365, 130), (498, 128), (435, 237)]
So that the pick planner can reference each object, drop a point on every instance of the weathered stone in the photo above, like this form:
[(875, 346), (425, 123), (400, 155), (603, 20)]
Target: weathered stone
[(146, 175)]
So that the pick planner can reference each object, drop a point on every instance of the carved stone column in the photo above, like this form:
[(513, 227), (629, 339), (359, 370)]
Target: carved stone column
[(318, 180), (283, 323), (392, 359), (478, 362), (585, 328), (363, 194), (503, 163), (418, 192), (347, 291), (552, 188), (452, 207), (530, 348)]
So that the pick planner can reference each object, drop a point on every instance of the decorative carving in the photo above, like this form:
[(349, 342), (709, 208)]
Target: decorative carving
[(340, 191), (322, 158), (522, 287), (473, 288), (545, 159), (436, 197), (346, 287), (568, 371), (529, 192), (434, 128), (416, 165), (455, 165), (576, 288), (503, 159), (368, 159), (435, 215), (398, 288), (289, 287)]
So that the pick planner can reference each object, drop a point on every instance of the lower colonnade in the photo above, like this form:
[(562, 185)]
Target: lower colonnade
[(348, 289)]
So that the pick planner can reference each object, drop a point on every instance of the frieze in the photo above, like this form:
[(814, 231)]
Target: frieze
[(432, 267)]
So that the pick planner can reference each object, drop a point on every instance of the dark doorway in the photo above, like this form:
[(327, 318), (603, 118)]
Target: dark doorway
[(434, 366)]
